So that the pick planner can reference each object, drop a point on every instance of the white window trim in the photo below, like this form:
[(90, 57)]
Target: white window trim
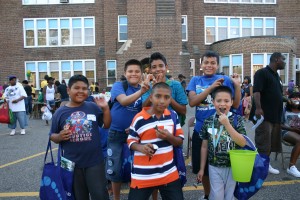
[(267, 62), (59, 32), (297, 67), (119, 28), (240, 2), (37, 78), (231, 64), (240, 26), (185, 17), (115, 61), (193, 66), (24, 2)]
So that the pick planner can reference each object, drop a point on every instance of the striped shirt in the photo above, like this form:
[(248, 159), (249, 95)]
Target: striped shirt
[(160, 169)]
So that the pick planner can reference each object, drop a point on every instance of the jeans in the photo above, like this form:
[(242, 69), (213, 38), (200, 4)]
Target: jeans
[(22, 118), (28, 104)]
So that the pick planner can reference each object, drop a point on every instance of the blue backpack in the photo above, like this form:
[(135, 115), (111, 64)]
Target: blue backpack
[(178, 155)]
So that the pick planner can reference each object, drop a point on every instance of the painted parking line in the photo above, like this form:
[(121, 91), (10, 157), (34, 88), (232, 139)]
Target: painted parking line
[(23, 159), (126, 191)]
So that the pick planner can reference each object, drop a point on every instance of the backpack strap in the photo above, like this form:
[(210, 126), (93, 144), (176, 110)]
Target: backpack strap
[(173, 116)]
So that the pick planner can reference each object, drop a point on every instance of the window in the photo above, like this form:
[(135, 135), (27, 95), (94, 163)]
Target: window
[(123, 32), (210, 29), (297, 64), (242, 1), (184, 27), (111, 69), (41, 2), (260, 60), (221, 28), (60, 70), (232, 64), (59, 32), (192, 67)]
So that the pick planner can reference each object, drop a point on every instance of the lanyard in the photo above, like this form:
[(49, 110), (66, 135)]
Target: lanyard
[(216, 136)]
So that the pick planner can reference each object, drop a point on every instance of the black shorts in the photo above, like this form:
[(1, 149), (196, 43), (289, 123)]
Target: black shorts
[(196, 154)]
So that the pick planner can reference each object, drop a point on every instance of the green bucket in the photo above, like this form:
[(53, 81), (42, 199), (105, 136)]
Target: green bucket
[(242, 162)]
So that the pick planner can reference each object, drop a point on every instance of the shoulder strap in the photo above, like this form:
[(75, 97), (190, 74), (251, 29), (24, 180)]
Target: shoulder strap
[(173, 116), (49, 148), (125, 85)]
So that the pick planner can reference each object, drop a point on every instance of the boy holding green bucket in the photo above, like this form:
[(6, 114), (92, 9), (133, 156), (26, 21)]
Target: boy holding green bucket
[(220, 133)]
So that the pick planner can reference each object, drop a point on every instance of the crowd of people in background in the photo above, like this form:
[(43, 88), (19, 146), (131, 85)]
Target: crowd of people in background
[(140, 119)]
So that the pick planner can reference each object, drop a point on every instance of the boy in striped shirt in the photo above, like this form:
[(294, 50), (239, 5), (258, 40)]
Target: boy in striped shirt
[(155, 169)]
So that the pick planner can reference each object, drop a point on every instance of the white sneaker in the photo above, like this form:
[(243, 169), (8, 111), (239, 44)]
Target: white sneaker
[(23, 132), (293, 171), (13, 132), (272, 170)]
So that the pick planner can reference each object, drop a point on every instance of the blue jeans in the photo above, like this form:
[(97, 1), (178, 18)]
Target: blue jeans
[(28, 104), (21, 117)]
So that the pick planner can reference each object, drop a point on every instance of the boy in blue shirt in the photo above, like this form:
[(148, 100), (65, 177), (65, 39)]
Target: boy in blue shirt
[(199, 90), (127, 103), (76, 127)]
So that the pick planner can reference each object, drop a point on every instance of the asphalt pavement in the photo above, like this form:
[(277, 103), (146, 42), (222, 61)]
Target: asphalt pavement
[(21, 162)]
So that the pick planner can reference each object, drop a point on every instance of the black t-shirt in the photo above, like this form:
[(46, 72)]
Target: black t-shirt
[(268, 83), (62, 89), (28, 90)]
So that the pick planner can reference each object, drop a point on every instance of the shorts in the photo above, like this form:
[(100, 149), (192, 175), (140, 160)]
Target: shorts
[(115, 143), (196, 155), (51, 103), (268, 138)]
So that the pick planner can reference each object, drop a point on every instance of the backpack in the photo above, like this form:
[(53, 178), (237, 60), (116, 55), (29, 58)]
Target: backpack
[(111, 102), (178, 156)]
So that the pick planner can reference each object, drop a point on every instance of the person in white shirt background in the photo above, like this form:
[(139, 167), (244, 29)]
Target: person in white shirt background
[(15, 95)]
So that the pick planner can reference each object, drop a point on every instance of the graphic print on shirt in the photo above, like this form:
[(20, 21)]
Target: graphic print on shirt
[(208, 100), (135, 106), (224, 143), (80, 127), (12, 92)]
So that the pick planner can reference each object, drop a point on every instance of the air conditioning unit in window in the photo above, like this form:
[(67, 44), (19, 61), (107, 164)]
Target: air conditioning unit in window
[(64, 1)]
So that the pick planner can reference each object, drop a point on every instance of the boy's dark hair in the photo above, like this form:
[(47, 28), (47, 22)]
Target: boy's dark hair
[(77, 78), (57, 83), (46, 77), (248, 78), (50, 78), (210, 54), (219, 89), (275, 56), (133, 62), (25, 82), (160, 85), (157, 56)]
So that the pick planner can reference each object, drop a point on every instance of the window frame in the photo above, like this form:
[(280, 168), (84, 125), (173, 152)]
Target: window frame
[(119, 29), (185, 23), (266, 62), (59, 31), (240, 2), (106, 67), (53, 2), (59, 70), (240, 26)]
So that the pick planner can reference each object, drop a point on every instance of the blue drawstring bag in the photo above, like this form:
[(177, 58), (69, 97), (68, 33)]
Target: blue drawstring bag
[(178, 155), (57, 182), (127, 160), (244, 191)]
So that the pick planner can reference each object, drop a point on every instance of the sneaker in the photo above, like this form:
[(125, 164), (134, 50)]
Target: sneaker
[(203, 197), (13, 132), (272, 170), (293, 171), (22, 131)]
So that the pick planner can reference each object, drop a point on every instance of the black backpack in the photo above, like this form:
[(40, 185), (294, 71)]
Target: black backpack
[(125, 87)]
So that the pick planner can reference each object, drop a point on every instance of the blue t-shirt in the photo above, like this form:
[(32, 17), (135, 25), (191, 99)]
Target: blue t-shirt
[(84, 147), (178, 93), (122, 116), (205, 109)]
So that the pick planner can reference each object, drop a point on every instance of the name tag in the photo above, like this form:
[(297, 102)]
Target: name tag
[(91, 117)]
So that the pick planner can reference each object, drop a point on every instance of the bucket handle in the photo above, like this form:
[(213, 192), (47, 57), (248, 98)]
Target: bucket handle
[(249, 144)]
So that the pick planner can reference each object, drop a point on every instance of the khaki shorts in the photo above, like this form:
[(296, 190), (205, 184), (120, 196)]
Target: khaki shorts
[(268, 138)]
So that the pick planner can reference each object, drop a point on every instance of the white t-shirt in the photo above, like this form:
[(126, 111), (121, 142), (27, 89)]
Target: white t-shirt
[(13, 93)]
